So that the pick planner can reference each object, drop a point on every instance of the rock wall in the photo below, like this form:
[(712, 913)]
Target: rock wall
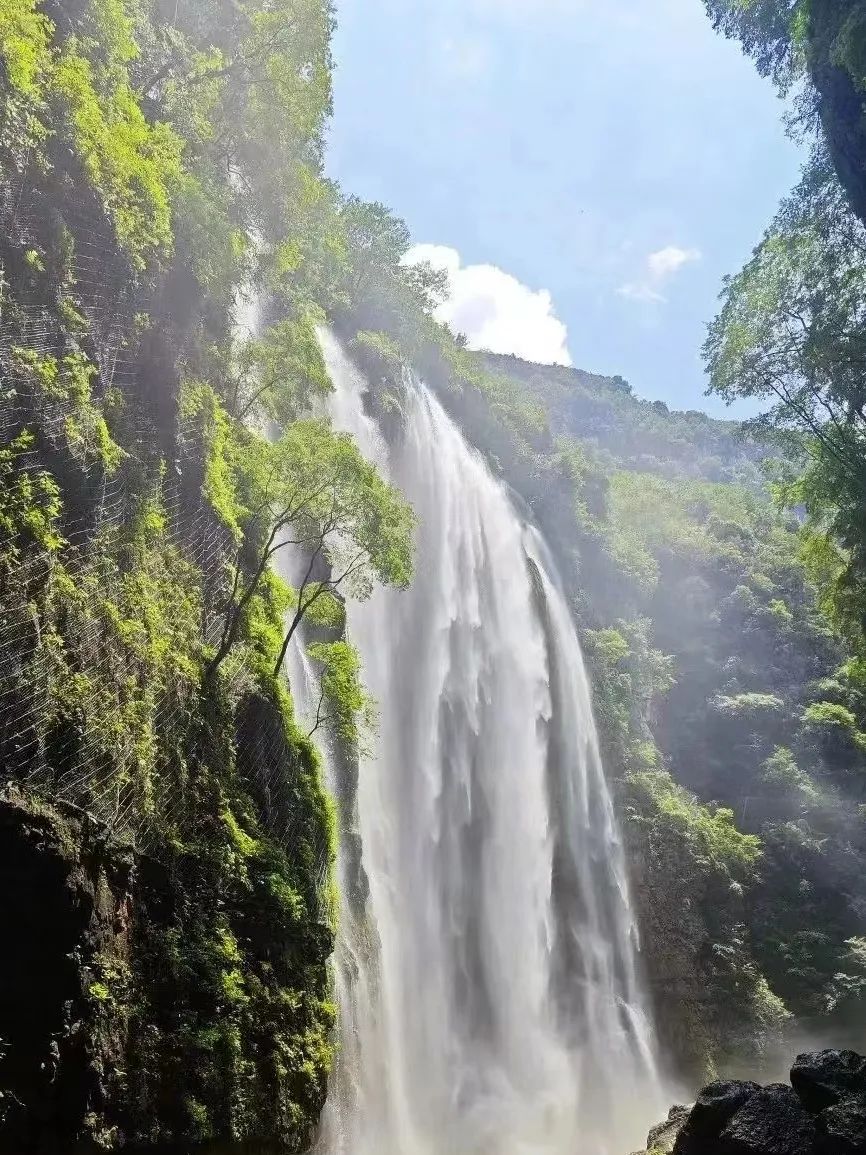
[(169, 1005), (66, 920)]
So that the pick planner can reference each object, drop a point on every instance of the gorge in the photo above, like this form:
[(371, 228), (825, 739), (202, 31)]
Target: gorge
[(405, 748)]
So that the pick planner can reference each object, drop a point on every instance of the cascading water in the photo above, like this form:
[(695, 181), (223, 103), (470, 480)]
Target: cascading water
[(486, 964)]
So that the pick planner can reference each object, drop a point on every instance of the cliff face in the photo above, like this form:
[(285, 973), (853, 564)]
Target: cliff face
[(68, 921), (165, 844), (120, 1018), (165, 837), (835, 55)]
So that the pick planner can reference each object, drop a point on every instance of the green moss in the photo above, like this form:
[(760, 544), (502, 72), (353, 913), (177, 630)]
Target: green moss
[(242, 843), (381, 346)]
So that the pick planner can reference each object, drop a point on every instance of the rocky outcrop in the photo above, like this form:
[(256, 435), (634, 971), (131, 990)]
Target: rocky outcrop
[(153, 1008), (716, 1106), (835, 31), (771, 1122), (663, 1137), (823, 1078), (66, 922), (822, 1112)]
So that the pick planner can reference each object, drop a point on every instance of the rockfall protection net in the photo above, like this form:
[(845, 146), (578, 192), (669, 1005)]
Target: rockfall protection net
[(56, 735)]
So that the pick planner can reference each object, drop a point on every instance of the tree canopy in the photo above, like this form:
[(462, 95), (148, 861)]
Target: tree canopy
[(312, 492)]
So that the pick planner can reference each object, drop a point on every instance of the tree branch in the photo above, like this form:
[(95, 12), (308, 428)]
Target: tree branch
[(320, 717)]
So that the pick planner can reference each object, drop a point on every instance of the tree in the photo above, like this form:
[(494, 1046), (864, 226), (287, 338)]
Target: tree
[(343, 701), (792, 333), (281, 373), (793, 324), (826, 42), (313, 492), (769, 31), (383, 289), (376, 240)]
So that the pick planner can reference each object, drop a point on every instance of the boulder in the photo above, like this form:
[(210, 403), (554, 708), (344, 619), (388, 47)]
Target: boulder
[(663, 1137), (824, 1078), (715, 1105), (771, 1122), (822, 1113), (842, 1128)]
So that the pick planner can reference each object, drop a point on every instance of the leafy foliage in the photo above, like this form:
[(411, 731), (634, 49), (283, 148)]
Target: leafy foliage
[(823, 46), (281, 373), (30, 507), (344, 703), (313, 492), (75, 93), (25, 49), (790, 331), (769, 30), (711, 834), (167, 160), (64, 389), (130, 163)]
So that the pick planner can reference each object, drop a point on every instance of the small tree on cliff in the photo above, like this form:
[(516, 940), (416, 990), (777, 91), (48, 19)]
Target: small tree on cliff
[(313, 492)]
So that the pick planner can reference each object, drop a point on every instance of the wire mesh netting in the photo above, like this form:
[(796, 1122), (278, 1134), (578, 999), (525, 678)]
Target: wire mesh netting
[(84, 718)]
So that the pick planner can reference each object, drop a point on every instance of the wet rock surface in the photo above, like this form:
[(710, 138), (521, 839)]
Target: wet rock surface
[(824, 1078), (842, 1127), (821, 1112), (771, 1122), (663, 1137), (715, 1106)]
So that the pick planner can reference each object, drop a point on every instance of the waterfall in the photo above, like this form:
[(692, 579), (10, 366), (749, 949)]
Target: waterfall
[(486, 964)]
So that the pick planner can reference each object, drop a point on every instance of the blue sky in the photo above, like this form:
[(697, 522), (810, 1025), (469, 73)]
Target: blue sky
[(588, 170)]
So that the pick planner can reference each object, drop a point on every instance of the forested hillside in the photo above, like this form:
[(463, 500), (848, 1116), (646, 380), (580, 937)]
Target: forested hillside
[(729, 699), (643, 436), (715, 661)]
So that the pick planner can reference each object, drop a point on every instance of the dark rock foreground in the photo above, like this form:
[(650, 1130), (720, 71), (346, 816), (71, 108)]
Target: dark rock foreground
[(822, 1112)]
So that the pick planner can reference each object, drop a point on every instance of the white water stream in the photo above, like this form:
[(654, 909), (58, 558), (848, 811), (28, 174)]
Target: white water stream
[(486, 966)]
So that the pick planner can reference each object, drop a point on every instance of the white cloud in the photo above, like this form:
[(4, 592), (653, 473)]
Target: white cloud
[(495, 311), (659, 268), (666, 262)]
